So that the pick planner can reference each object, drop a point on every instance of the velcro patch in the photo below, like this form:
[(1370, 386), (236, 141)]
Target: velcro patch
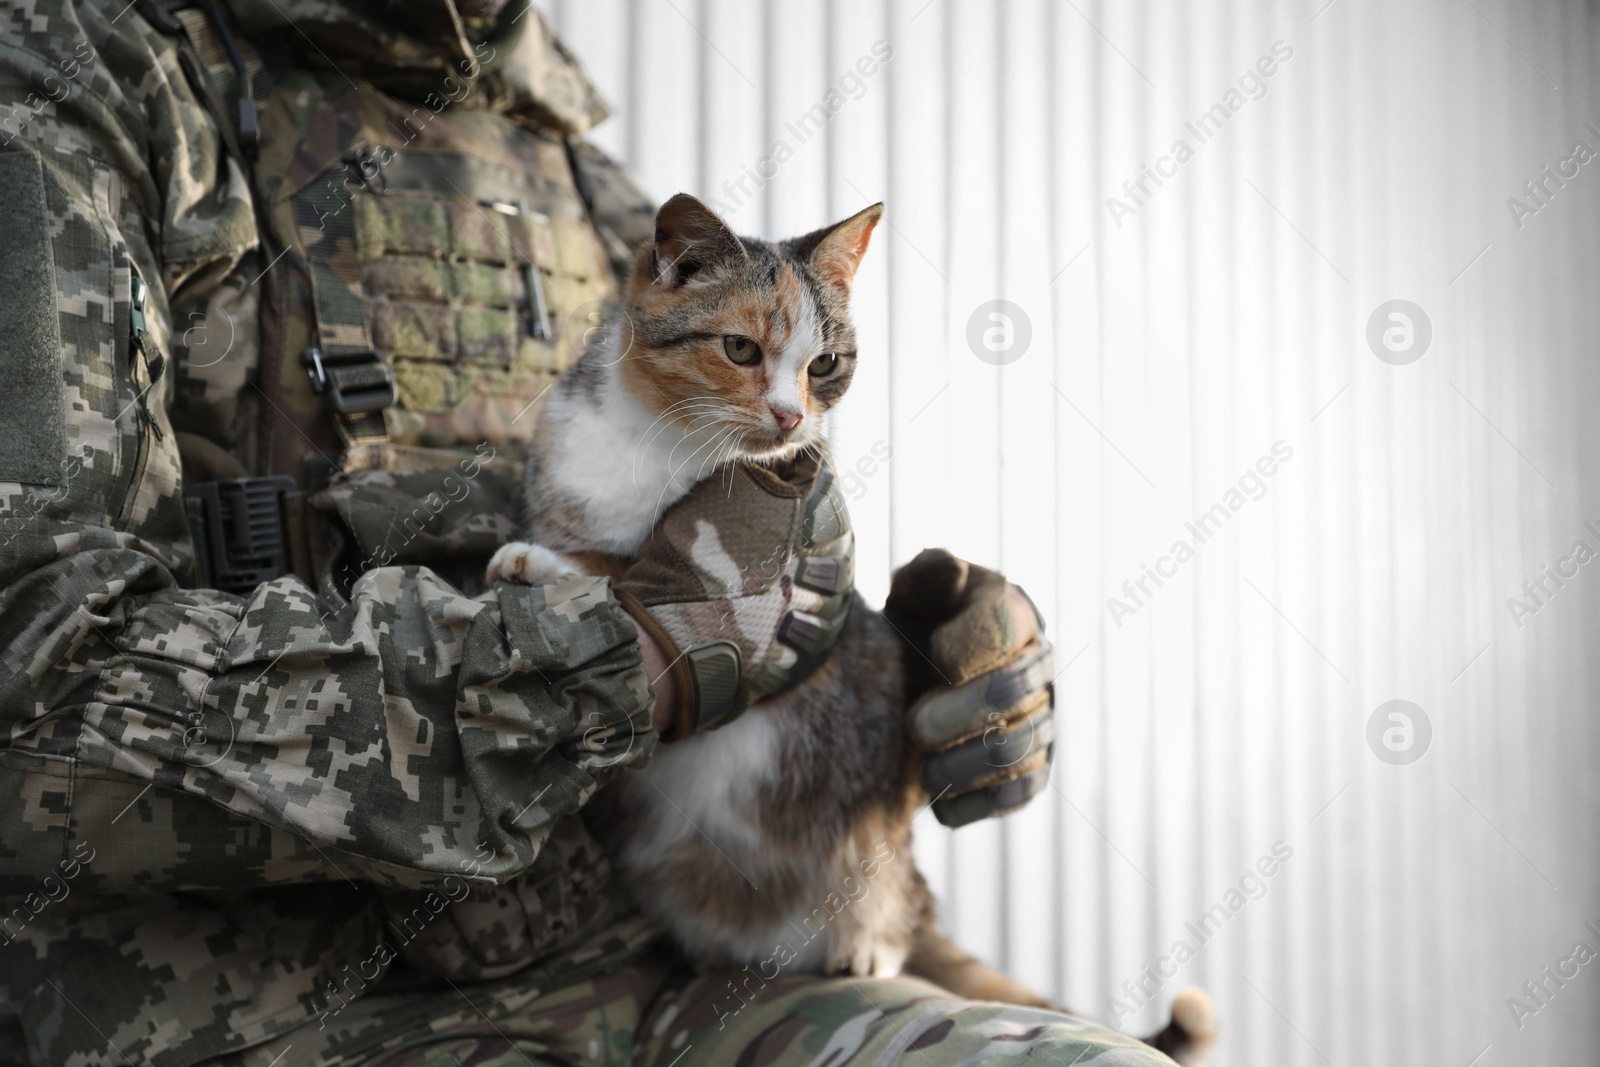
[(34, 438)]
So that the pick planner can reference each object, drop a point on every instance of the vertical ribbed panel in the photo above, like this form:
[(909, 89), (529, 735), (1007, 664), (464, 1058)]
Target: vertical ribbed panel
[(1169, 352)]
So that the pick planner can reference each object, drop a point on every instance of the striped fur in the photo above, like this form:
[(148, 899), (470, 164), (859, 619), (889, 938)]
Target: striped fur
[(790, 827)]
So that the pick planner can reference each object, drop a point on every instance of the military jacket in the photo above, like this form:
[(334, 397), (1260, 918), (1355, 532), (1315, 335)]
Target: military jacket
[(222, 816)]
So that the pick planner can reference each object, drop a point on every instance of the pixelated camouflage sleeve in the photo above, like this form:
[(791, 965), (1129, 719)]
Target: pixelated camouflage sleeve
[(194, 739)]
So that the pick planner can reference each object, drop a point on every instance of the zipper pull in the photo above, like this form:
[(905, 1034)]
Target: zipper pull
[(136, 323)]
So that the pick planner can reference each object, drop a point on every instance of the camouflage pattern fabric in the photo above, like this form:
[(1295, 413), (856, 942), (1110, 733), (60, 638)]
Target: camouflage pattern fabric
[(452, 510), (467, 258), (763, 560), (232, 825), (200, 793), (408, 49), (624, 215), (655, 1014), (429, 255)]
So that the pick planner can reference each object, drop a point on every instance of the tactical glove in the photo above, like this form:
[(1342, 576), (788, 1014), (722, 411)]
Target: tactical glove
[(746, 585), (979, 680)]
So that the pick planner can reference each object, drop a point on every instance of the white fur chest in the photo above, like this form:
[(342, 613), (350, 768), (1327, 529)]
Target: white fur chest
[(707, 784), (627, 466)]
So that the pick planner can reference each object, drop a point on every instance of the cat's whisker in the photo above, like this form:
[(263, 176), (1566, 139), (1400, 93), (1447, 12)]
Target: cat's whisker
[(728, 472), (674, 451), (659, 424), (667, 412), (711, 459), (723, 451), (698, 425), (672, 477)]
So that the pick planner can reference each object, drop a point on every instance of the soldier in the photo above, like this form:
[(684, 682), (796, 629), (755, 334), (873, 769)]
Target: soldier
[(280, 284)]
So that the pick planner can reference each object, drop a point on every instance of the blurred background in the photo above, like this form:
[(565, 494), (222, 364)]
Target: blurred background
[(1394, 493)]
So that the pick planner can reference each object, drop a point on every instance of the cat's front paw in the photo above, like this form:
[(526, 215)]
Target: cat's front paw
[(873, 959), (529, 564)]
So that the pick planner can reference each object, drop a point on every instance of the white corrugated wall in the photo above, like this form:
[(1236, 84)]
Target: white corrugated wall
[(1172, 346)]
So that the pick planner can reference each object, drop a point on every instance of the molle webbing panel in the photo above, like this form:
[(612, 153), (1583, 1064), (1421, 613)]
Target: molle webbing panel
[(464, 257), (473, 299), (447, 281)]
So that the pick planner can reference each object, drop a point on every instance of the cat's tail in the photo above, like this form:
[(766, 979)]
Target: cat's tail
[(1190, 1038), (939, 960)]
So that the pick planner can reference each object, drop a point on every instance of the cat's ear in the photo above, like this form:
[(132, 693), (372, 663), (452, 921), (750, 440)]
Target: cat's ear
[(835, 252), (689, 237)]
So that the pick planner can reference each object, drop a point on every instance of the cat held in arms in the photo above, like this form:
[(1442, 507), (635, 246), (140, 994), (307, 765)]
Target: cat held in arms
[(734, 351)]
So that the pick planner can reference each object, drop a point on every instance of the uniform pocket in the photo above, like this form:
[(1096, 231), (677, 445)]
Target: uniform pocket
[(34, 439)]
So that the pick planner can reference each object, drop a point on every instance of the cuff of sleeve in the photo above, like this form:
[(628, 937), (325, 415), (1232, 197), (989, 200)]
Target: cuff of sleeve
[(561, 625), (551, 701)]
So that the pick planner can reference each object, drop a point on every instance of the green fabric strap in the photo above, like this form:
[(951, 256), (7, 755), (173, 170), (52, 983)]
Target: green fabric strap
[(325, 219)]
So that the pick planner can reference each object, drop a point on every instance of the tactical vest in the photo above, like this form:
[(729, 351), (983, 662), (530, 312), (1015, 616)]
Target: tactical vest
[(427, 271), (430, 269), (435, 270)]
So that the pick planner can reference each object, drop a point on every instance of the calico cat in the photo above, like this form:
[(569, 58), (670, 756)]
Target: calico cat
[(791, 825)]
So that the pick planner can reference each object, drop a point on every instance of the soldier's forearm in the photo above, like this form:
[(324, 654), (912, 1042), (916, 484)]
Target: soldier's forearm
[(414, 735), (658, 668)]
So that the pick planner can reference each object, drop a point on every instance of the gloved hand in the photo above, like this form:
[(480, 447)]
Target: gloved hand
[(979, 680), (746, 584)]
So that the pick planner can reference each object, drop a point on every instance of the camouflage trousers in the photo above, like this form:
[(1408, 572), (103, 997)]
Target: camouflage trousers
[(653, 1013)]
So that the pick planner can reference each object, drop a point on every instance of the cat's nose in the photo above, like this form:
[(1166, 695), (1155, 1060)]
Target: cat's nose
[(787, 420)]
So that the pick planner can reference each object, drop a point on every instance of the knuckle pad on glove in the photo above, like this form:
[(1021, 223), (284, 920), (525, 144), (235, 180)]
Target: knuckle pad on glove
[(959, 810), (1004, 751), (949, 716)]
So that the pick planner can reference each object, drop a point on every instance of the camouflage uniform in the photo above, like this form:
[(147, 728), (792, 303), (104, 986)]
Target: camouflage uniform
[(227, 822)]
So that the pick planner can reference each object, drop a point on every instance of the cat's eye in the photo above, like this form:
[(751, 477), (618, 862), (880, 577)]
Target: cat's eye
[(823, 365), (741, 350)]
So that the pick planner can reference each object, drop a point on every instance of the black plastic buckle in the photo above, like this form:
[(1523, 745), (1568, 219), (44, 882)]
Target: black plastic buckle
[(353, 382), (240, 534), (159, 13), (365, 167)]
